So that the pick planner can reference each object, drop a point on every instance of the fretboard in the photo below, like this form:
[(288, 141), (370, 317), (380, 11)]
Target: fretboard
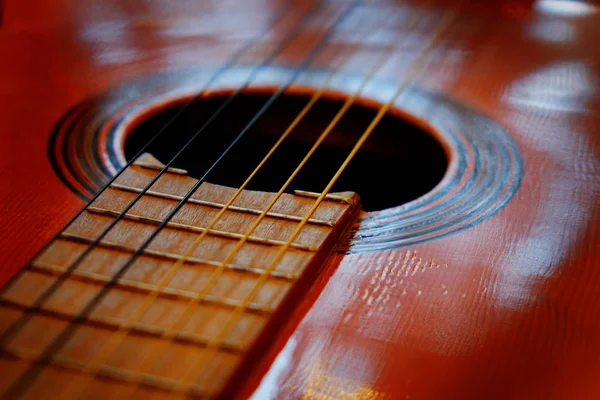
[(148, 334)]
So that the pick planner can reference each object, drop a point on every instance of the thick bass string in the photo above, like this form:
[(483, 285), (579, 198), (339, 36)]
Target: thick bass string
[(20, 385), (418, 65), (16, 326), (115, 340)]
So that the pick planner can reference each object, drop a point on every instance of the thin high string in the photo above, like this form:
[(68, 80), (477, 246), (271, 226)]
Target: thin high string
[(230, 63), (110, 346), (117, 338), (232, 320), (20, 385), (19, 324)]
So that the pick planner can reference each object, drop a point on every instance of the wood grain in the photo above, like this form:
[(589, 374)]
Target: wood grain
[(162, 324), (505, 309)]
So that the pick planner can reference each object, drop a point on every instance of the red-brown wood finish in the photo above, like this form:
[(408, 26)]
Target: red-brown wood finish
[(508, 308)]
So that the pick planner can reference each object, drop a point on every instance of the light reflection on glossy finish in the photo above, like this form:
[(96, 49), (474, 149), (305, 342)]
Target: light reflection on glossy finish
[(507, 309), (566, 85), (484, 314), (322, 385), (272, 381), (554, 30), (566, 7)]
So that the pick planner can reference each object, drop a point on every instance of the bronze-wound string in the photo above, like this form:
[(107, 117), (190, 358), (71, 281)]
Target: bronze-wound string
[(116, 339), (40, 301), (17, 325), (232, 320), (20, 385), (228, 65), (103, 349), (419, 65)]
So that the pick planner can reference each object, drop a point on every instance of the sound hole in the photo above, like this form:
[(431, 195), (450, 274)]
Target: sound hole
[(399, 162)]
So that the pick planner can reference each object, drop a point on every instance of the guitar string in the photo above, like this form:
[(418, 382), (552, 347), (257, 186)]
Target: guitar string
[(410, 76), (20, 384), (229, 63), (15, 327), (367, 79), (245, 303), (94, 366), (117, 338), (7, 335)]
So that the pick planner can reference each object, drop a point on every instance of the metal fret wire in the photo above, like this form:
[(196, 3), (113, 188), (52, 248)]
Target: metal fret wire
[(117, 373), (20, 385), (142, 329), (183, 227), (231, 320), (411, 75), (141, 288), (163, 255), (216, 205), (16, 326), (116, 339)]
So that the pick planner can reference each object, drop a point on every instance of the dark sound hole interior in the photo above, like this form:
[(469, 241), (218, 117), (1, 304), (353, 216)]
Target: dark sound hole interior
[(398, 163)]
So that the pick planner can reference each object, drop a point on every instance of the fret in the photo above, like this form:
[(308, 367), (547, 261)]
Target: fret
[(105, 259), (127, 366), (289, 207), (138, 329), (193, 217), (143, 287), (216, 300), (76, 290), (101, 324), (336, 198), (171, 256), (120, 374), (221, 205), (191, 228), (155, 167), (128, 235)]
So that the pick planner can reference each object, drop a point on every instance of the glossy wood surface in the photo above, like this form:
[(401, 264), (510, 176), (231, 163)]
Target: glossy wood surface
[(507, 308), (206, 309)]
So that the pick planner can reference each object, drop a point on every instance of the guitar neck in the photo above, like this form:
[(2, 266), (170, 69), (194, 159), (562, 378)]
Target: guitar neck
[(170, 315)]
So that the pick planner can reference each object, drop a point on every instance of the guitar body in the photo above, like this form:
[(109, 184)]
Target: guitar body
[(486, 285)]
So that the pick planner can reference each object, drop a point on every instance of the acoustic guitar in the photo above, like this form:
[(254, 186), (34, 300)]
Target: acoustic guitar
[(334, 199)]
